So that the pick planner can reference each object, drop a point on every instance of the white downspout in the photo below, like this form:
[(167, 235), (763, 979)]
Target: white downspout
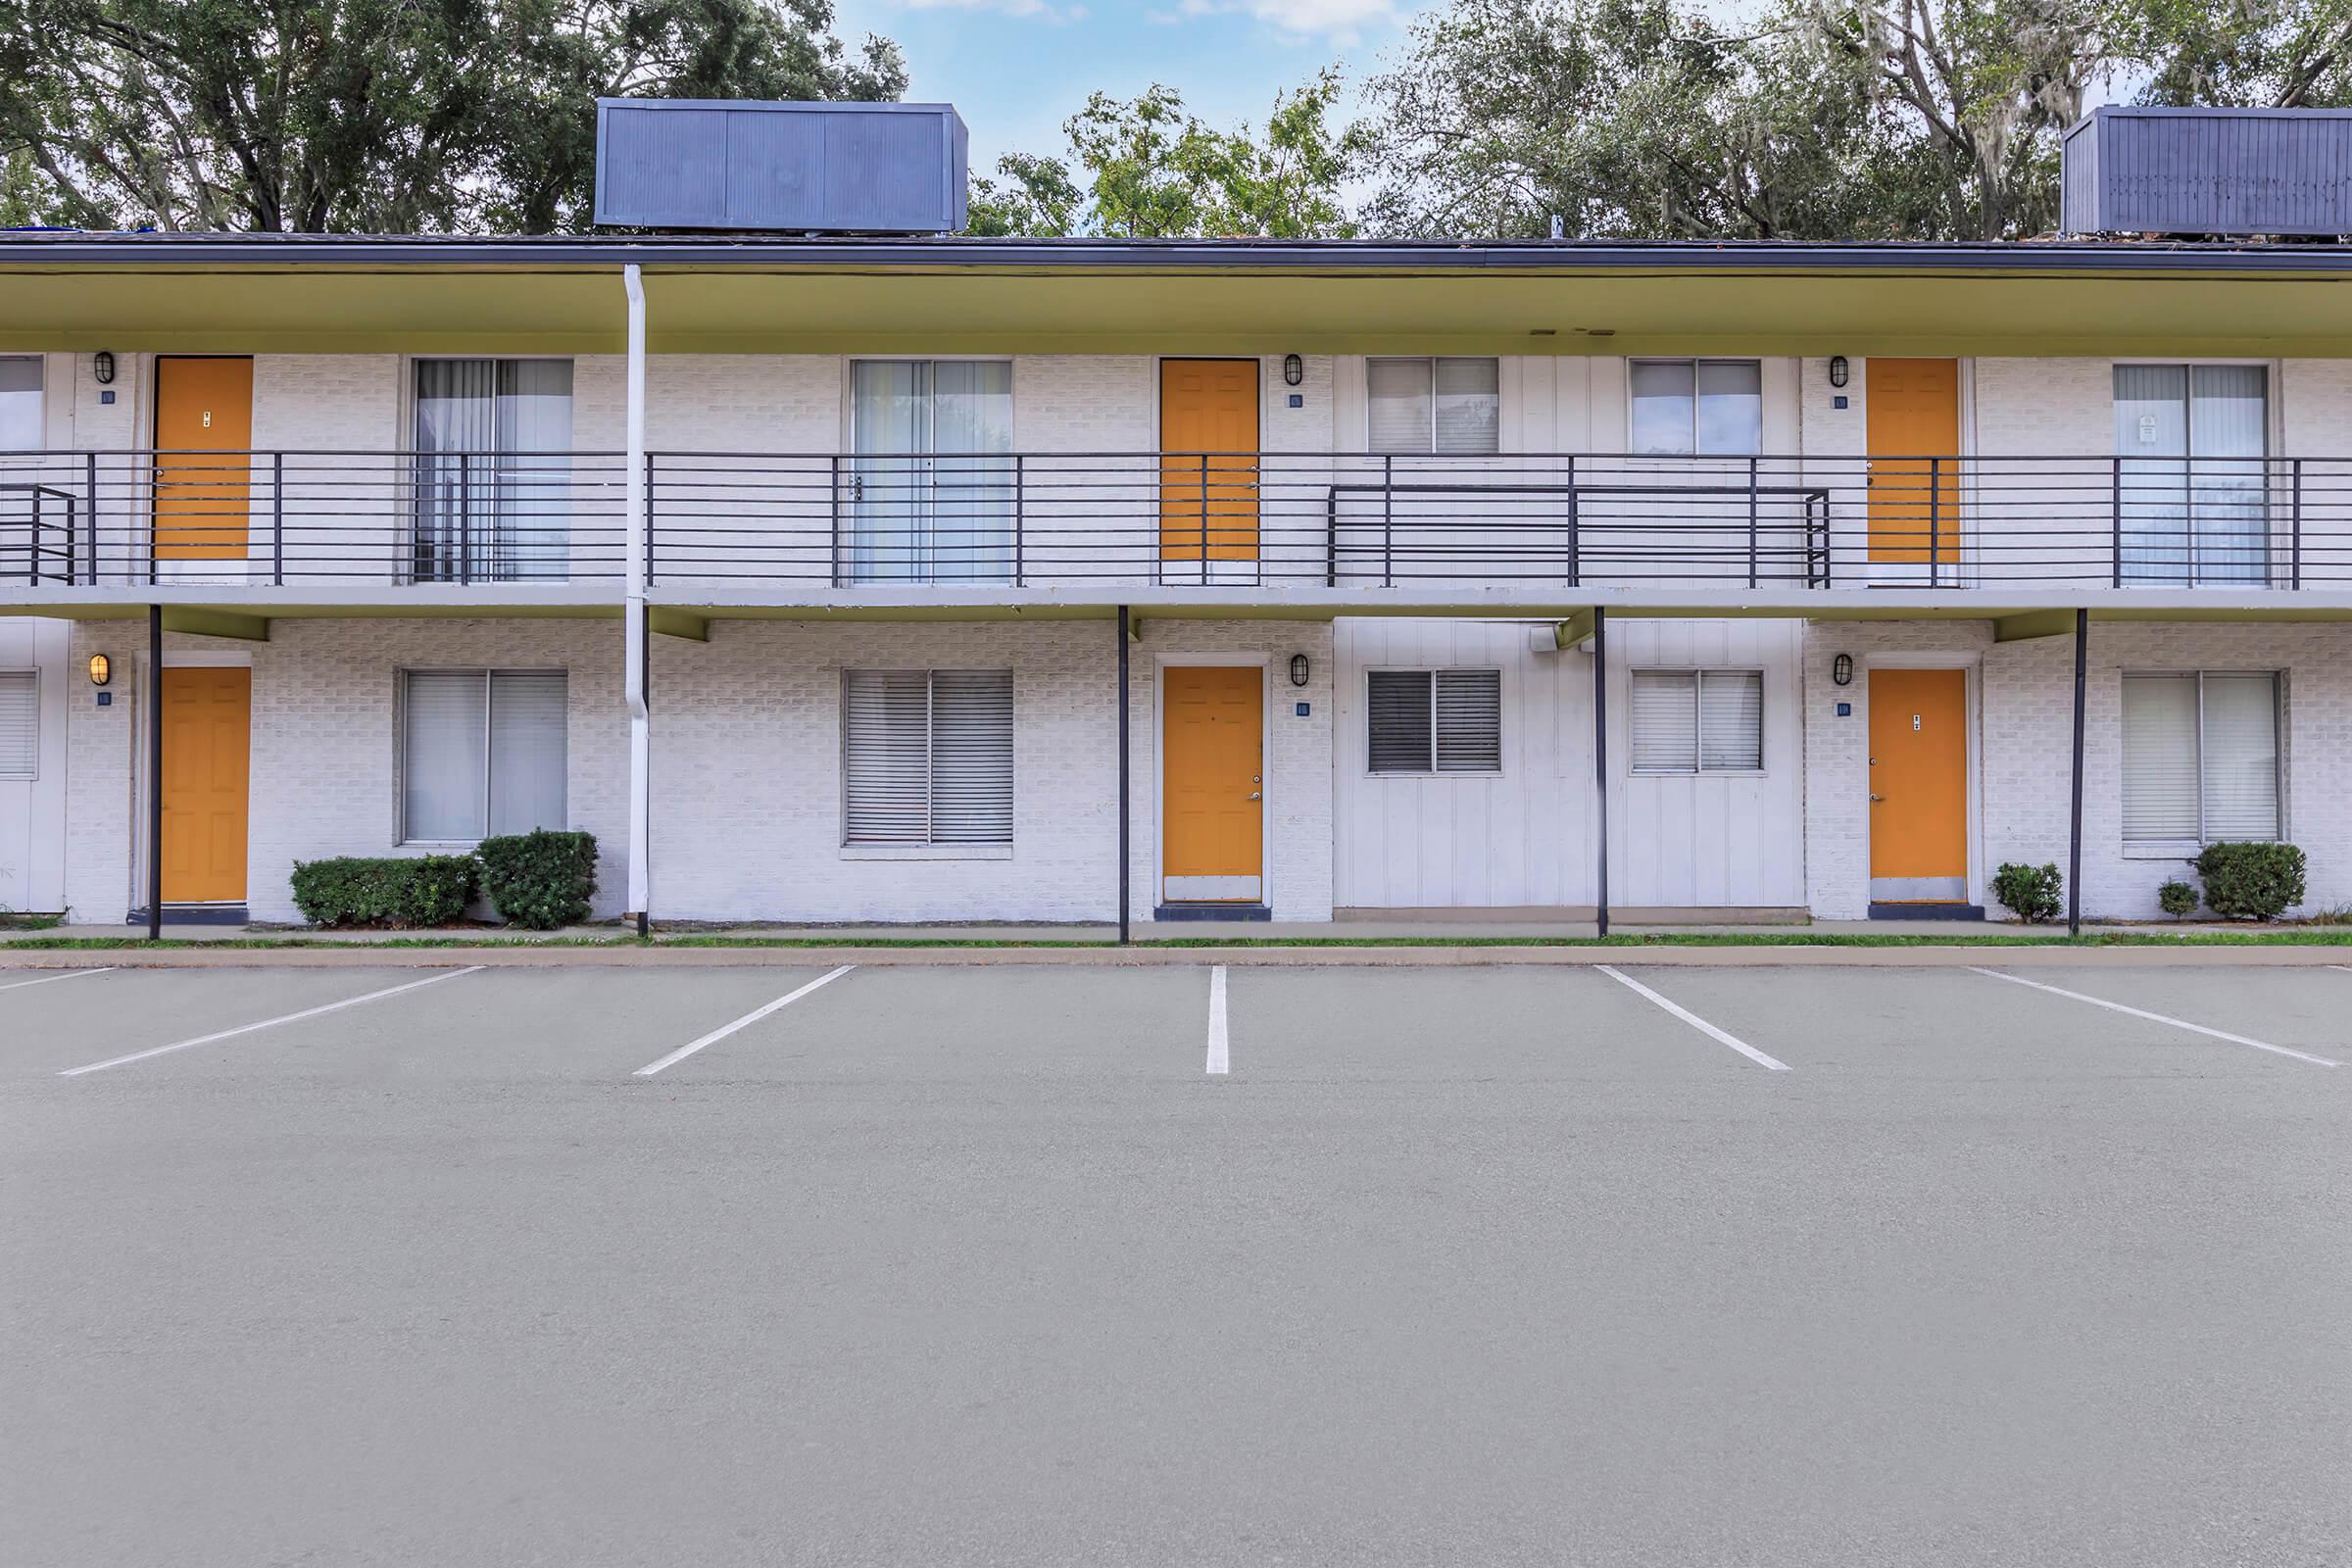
[(633, 620)]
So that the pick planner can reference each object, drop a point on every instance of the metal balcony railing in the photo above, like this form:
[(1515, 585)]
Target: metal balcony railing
[(1224, 522), (312, 519)]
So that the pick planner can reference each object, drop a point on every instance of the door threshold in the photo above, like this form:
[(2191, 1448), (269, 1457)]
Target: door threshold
[(195, 914), (1926, 912), (1212, 911)]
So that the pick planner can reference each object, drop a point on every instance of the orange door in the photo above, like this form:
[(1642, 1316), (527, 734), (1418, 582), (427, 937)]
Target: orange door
[(203, 472), (208, 720), (1212, 789), (1914, 416), (1918, 786), (1208, 459)]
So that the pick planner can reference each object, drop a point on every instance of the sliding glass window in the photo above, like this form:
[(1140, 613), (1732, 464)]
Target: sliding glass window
[(493, 469), (2192, 439), (932, 486)]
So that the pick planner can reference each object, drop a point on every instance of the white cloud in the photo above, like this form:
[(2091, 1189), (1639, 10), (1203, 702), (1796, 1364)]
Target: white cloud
[(1035, 10), (1340, 21)]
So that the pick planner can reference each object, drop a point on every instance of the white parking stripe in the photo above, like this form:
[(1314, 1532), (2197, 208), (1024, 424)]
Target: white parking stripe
[(1218, 1059), (749, 1018), (71, 974), (2158, 1017), (271, 1023), (1694, 1020)]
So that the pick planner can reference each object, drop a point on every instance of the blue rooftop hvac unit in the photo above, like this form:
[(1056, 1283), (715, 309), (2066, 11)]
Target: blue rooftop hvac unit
[(2231, 171), (800, 168)]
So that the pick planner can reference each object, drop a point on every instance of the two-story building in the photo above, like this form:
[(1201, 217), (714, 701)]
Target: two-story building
[(923, 578)]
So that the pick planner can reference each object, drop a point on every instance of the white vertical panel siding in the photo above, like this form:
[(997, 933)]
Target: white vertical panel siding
[(1523, 836)]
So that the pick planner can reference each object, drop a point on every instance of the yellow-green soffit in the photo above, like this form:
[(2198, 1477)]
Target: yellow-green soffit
[(556, 309)]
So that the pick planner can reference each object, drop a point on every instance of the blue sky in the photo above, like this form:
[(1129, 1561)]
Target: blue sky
[(1018, 68)]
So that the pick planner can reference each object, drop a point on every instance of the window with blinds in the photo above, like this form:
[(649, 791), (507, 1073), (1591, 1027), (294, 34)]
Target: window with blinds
[(1434, 720), (482, 753), (927, 757), (19, 725), (1445, 407), (2200, 757), (1698, 721)]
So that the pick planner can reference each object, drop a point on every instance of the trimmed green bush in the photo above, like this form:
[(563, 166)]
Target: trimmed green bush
[(541, 879), (2251, 881), (2028, 892), (2178, 899), (404, 891)]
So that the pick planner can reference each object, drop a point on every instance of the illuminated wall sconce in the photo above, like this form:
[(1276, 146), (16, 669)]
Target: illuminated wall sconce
[(102, 669)]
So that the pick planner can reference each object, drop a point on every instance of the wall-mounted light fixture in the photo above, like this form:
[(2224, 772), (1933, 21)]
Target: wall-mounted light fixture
[(1842, 670), (102, 669), (102, 365), (1294, 369), (1299, 669), (1838, 370)]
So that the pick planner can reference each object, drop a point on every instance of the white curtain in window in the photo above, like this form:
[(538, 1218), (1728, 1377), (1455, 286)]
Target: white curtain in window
[(1730, 720), (932, 476), (1469, 406), (534, 489), (19, 725), (1664, 720), (19, 404), (2239, 765), (527, 733), (442, 757), (456, 431), (1469, 720), (2192, 439), (1402, 405), (1398, 722)]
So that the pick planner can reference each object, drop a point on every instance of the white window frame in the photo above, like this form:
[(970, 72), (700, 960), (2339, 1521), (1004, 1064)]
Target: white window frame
[(1698, 706), (400, 781), (930, 847), (1694, 361), (1429, 363), (1432, 672), (2167, 848)]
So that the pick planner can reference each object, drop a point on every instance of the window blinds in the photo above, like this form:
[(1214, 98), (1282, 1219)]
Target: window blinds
[(1442, 721), (19, 725), (2200, 757), (1451, 406), (1697, 721), (482, 753), (927, 757)]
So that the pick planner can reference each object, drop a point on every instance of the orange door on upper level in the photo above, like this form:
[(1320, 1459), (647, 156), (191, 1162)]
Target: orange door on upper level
[(1919, 786), (1208, 459), (1914, 416), (203, 472), (1212, 784), (208, 726)]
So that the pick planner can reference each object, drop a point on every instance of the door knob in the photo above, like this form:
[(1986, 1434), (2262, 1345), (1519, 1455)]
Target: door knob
[(1874, 798), (1253, 794)]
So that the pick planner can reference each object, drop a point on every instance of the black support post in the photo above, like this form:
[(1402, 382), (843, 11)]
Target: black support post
[(1600, 764), (2073, 838), (1123, 778), (154, 772)]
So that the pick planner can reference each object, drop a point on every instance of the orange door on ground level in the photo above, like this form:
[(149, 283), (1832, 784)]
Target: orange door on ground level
[(203, 472), (1212, 786), (1918, 785), (208, 724), (1208, 462), (1914, 414)]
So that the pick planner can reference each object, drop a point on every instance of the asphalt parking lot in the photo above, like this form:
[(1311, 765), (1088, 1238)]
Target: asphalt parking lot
[(1094, 1266)]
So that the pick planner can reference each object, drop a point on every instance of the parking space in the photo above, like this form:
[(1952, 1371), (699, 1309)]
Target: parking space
[(990, 1265)]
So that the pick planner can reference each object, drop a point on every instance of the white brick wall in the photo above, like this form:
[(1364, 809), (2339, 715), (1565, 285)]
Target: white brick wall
[(2023, 695)]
